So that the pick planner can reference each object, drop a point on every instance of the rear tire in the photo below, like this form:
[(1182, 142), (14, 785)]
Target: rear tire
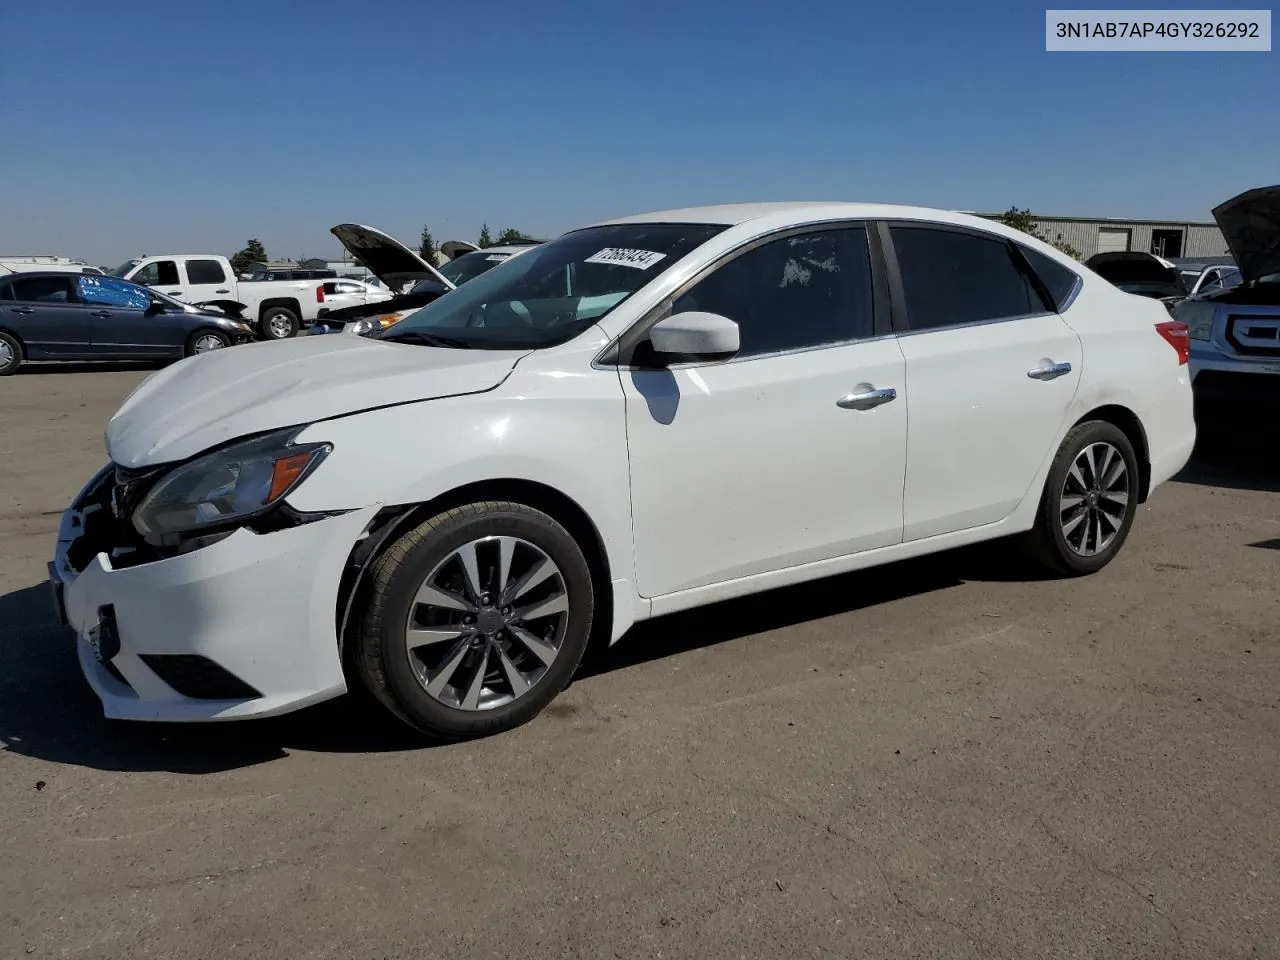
[(1089, 500), (278, 323), (11, 355), (476, 619)]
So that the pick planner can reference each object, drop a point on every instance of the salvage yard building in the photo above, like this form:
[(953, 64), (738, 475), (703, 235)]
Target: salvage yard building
[(1171, 239)]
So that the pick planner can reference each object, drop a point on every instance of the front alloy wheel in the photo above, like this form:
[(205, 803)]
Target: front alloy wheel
[(475, 619), (487, 623)]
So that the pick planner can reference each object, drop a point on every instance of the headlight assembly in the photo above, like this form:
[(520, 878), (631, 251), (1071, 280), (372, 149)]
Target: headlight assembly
[(228, 486)]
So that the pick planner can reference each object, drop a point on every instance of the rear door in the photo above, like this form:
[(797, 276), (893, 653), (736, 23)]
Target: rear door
[(991, 371), (206, 279), (119, 321), (44, 313)]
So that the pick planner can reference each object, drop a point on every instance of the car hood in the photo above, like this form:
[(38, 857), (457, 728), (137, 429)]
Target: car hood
[(1132, 267), (386, 257), (453, 249), (219, 396), (1250, 223)]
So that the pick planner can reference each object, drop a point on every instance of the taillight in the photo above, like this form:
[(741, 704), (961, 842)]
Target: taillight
[(320, 294), (1177, 335)]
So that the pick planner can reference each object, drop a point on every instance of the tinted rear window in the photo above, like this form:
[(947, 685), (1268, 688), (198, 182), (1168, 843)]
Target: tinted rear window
[(1057, 279)]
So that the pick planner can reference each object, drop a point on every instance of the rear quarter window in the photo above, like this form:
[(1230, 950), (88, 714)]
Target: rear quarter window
[(1058, 280)]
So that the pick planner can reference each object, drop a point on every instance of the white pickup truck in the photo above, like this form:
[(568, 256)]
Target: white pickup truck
[(276, 307)]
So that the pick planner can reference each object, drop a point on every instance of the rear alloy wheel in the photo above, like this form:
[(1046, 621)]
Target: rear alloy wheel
[(278, 323), (1089, 499), (202, 341), (10, 355), (477, 619)]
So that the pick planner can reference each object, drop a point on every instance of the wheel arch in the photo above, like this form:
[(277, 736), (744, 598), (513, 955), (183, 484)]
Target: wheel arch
[(1130, 424), (289, 303), (392, 521)]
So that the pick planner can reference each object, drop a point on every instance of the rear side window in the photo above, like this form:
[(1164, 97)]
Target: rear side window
[(6, 292), (950, 278), (1057, 279), (43, 289), (205, 271)]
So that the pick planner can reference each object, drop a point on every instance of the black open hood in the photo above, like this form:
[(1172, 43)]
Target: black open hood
[(1132, 267), (1250, 223)]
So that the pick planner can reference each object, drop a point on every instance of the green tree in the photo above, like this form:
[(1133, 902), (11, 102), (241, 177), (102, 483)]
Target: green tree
[(512, 235), (1024, 220), (253, 252), (427, 246), (486, 239)]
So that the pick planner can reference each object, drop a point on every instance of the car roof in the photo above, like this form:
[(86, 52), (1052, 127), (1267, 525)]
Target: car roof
[(779, 213), (51, 273)]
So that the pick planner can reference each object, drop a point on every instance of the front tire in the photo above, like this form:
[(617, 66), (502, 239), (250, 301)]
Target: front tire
[(278, 323), (1089, 500), (202, 341), (476, 620), (10, 354)]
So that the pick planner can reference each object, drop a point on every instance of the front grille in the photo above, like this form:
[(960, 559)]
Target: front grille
[(1253, 335), (198, 677)]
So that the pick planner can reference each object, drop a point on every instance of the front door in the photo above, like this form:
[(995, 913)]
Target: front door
[(991, 375), (119, 321), (762, 462)]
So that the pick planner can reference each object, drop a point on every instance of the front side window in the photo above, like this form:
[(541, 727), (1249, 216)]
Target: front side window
[(796, 292), (110, 292), (43, 289), (950, 277), (158, 273), (205, 271), (555, 291)]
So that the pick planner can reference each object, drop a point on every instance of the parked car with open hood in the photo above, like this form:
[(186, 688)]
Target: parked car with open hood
[(1235, 332), (638, 417), (402, 269), (60, 315), (1142, 274)]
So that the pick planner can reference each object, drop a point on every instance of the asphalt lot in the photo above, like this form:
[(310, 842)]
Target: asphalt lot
[(943, 758)]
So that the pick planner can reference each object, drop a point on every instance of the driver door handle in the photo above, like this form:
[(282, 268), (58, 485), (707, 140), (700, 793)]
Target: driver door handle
[(1048, 370), (867, 399), (100, 313), (222, 291)]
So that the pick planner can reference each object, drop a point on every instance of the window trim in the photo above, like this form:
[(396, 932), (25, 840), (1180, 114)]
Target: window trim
[(617, 354), (902, 320)]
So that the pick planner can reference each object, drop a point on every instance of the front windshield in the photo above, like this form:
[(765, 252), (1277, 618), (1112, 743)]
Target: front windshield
[(124, 268), (470, 265), (556, 290)]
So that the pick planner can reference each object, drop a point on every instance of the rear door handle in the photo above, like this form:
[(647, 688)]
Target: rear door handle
[(866, 399), (1048, 370), (100, 313), (222, 291), (24, 310)]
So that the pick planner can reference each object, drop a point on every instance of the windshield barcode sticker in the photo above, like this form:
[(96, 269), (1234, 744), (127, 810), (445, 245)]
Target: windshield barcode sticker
[(640, 259)]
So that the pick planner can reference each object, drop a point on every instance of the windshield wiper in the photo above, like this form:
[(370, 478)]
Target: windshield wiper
[(426, 339)]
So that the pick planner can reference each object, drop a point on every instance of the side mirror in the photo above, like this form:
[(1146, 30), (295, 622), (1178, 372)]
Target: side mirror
[(155, 306), (695, 335)]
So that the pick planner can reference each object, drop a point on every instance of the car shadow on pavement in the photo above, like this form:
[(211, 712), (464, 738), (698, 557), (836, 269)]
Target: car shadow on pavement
[(48, 711), (1242, 456), (89, 366)]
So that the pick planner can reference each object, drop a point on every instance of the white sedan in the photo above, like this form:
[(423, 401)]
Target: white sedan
[(638, 417)]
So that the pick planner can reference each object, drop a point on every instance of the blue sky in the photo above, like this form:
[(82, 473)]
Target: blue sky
[(184, 127)]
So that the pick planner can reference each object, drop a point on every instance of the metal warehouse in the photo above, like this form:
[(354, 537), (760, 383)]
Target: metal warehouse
[(1172, 239)]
